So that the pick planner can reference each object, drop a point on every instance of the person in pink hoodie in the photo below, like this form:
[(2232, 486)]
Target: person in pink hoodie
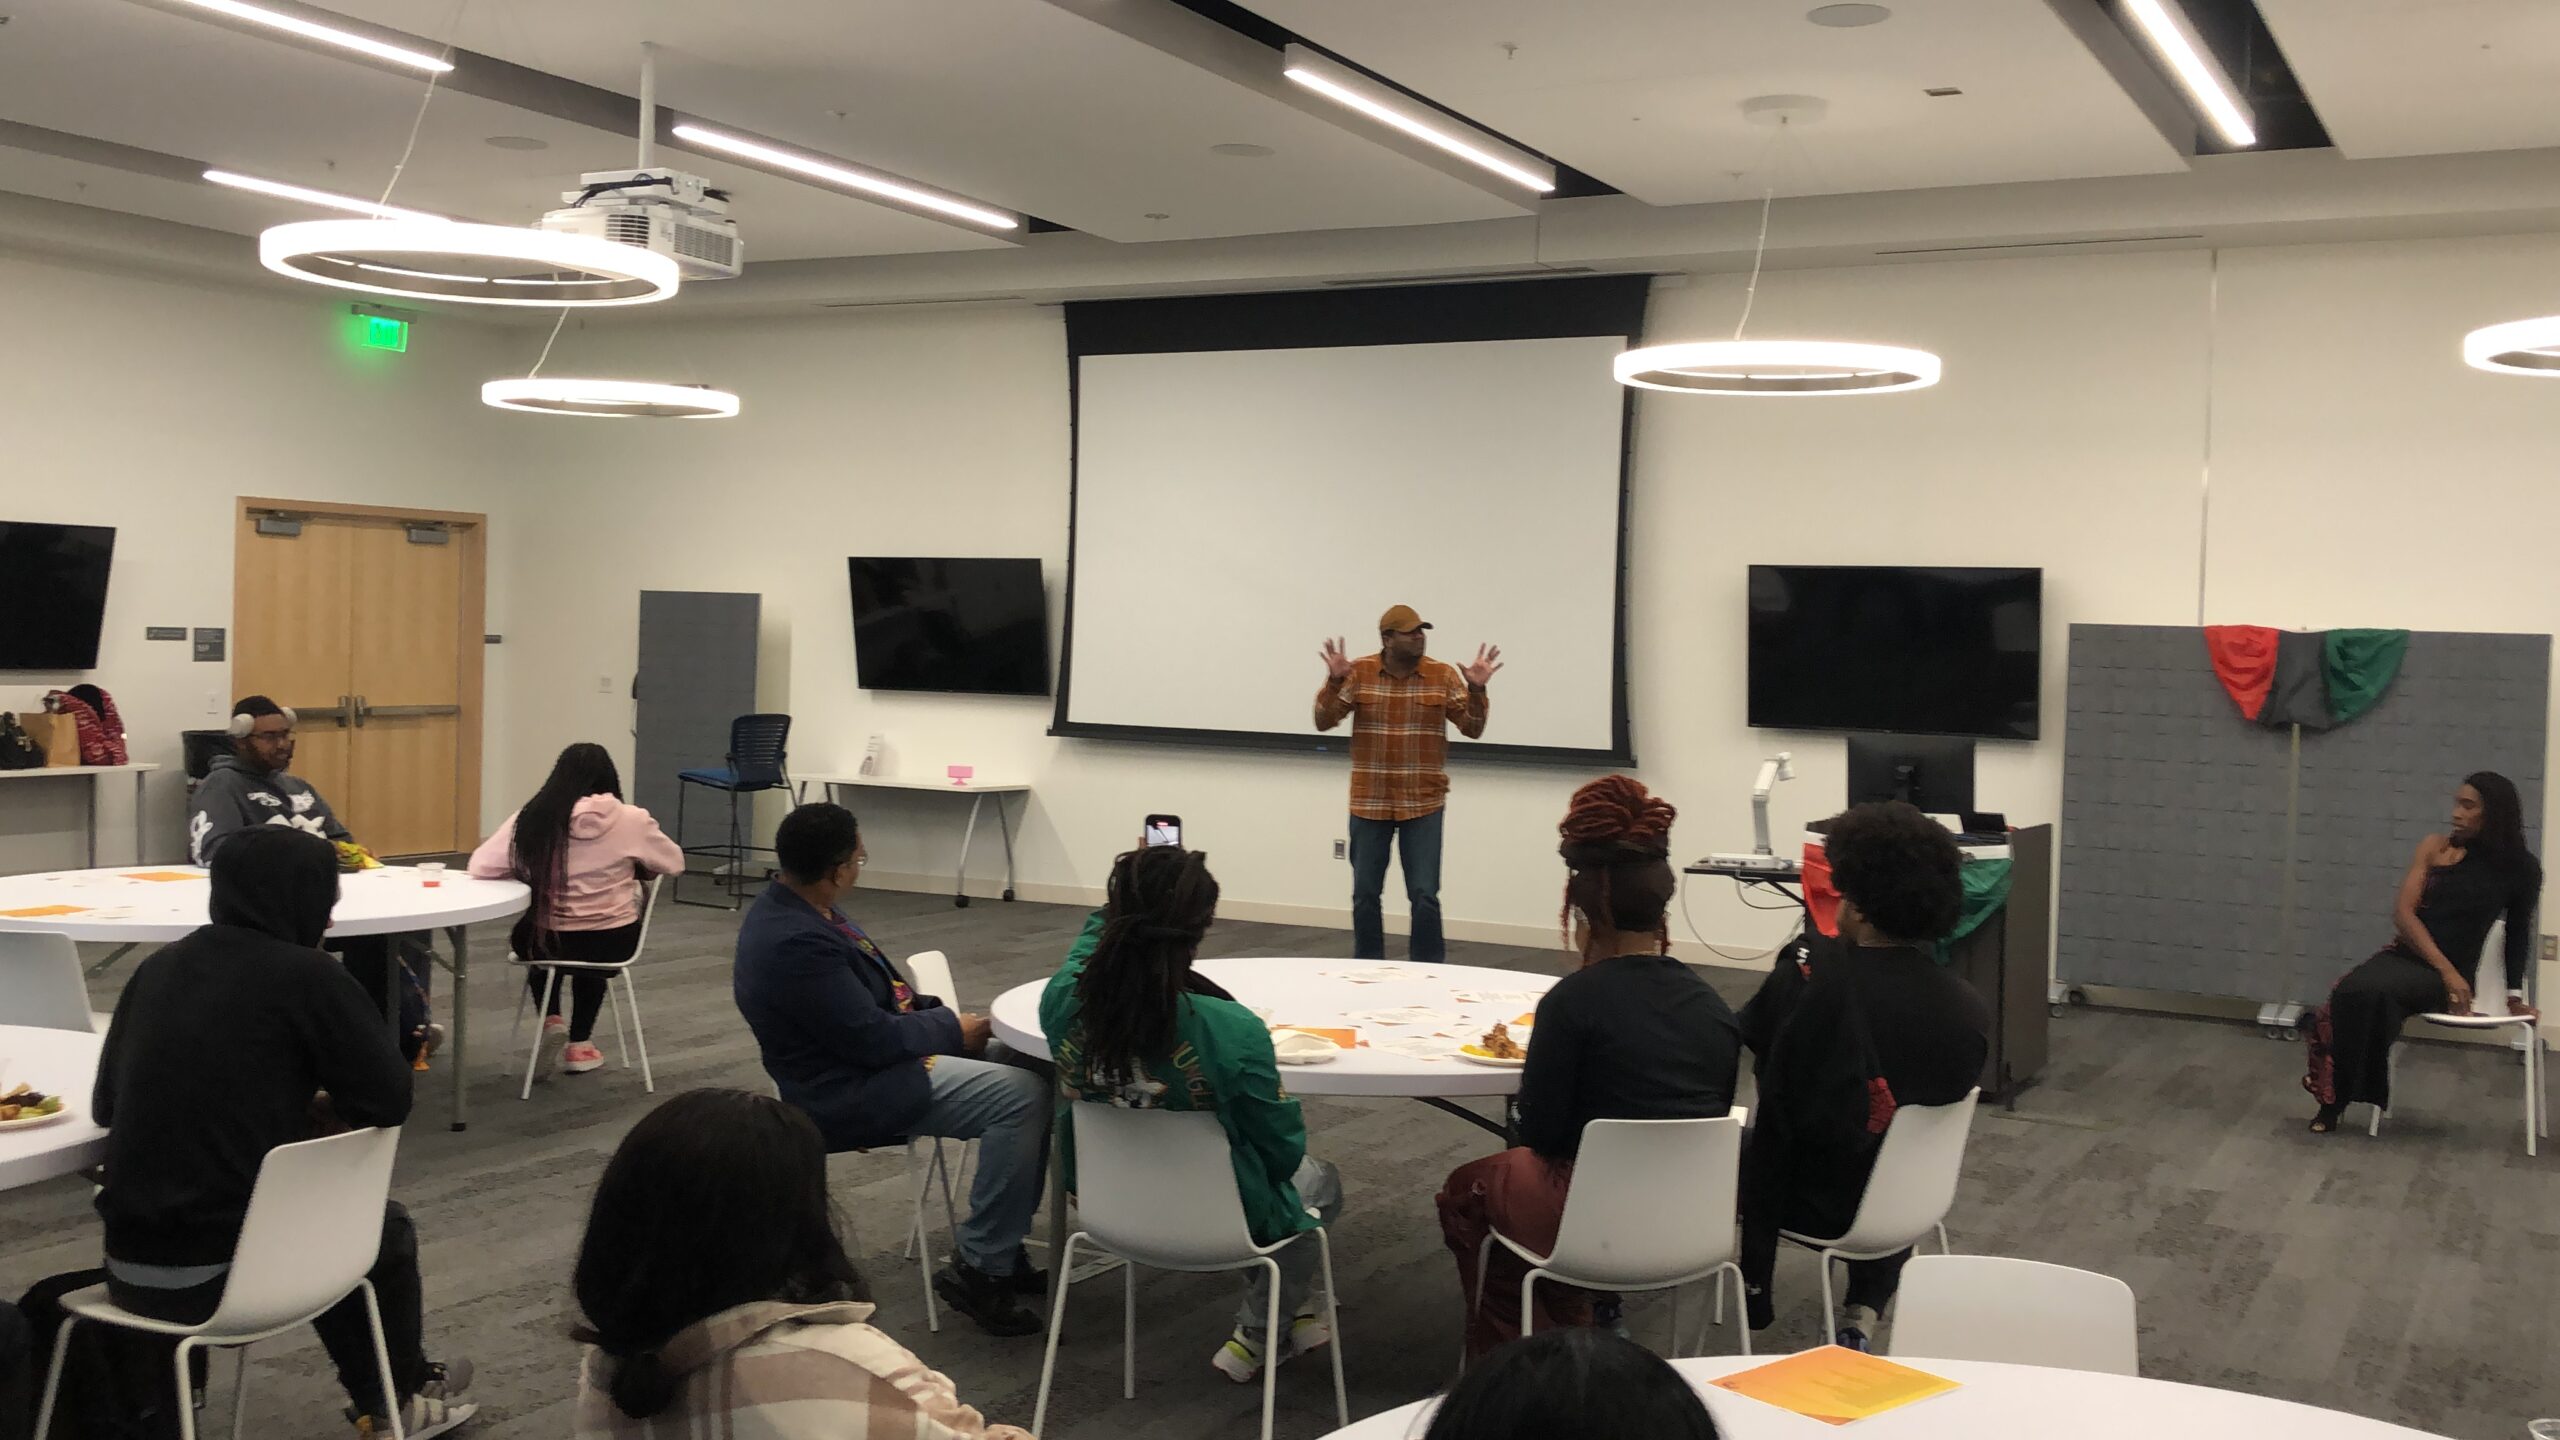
[(584, 852)]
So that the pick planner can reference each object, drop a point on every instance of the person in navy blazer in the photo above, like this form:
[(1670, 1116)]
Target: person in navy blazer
[(849, 1041)]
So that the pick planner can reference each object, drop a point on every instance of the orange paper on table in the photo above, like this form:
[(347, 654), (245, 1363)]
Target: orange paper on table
[(41, 912), (1530, 1019), (161, 875), (1835, 1385), (1346, 1038)]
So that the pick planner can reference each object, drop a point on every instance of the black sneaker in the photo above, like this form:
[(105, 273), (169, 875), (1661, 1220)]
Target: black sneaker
[(1851, 1337), (985, 1298), (1026, 1279), (1758, 1307)]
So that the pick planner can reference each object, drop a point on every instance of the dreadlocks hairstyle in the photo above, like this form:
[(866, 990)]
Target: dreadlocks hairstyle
[(1616, 848), (1162, 898), (542, 826)]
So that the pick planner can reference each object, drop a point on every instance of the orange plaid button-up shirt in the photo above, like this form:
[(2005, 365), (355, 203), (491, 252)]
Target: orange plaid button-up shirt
[(1400, 734)]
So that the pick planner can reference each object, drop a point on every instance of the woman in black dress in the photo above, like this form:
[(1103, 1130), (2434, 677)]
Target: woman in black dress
[(2459, 884)]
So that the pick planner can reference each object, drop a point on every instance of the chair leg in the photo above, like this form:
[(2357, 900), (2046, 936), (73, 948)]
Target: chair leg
[(737, 856), (186, 1390), (1475, 1302), (533, 1057), (1716, 1316), (1674, 1352), (1271, 1349), (639, 1036), (515, 1032), (1943, 1247), (1741, 1322), (2531, 1144), (917, 1238), (240, 1392), (392, 1397), (1129, 1331), (1333, 1327), (942, 1170), (53, 1375), (1528, 1298), (1065, 1260), (1830, 1315)]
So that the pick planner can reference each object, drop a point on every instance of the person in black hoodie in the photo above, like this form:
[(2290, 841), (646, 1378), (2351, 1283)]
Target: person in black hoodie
[(1865, 1024), (241, 1037)]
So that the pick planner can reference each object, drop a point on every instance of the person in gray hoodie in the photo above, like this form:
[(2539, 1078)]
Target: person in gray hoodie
[(250, 785), (251, 788)]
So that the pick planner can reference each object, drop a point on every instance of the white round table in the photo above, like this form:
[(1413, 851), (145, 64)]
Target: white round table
[(147, 904), (1322, 994), (2001, 1402), (57, 1062)]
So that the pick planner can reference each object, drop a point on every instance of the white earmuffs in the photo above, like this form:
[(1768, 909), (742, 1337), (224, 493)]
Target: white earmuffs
[(241, 725)]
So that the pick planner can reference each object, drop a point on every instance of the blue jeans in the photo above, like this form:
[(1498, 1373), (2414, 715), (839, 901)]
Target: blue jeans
[(1001, 1102), (1419, 840), (1319, 1187)]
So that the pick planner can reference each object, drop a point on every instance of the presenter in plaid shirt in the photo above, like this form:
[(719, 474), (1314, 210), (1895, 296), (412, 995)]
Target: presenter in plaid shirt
[(1400, 704)]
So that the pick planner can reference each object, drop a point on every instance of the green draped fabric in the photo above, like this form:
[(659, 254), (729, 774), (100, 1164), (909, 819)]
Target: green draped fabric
[(2359, 665), (1986, 889)]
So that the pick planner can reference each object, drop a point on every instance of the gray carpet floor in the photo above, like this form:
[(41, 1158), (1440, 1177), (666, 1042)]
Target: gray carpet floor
[(2411, 1278)]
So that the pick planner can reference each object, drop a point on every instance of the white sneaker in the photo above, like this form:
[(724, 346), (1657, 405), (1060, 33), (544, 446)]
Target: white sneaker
[(1240, 1359), (437, 1408)]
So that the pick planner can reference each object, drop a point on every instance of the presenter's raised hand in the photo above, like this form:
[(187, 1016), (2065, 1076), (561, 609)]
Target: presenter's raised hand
[(1337, 662), (1480, 670)]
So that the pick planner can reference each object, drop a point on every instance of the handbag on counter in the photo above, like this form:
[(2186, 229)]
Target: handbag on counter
[(18, 749), (90, 742)]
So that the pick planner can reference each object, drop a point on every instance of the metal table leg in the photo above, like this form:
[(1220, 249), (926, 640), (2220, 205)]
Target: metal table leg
[(1006, 826), (95, 781), (960, 886), (460, 936), (137, 817), (112, 957)]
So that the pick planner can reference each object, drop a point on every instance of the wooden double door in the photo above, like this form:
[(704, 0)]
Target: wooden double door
[(366, 623)]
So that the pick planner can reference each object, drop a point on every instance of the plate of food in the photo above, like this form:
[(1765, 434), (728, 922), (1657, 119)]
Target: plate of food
[(25, 1107), (1499, 1047)]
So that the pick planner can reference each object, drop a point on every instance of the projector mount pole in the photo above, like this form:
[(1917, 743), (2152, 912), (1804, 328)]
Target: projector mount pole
[(648, 104)]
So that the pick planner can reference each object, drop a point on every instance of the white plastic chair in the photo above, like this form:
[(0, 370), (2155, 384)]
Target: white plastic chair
[(2537, 1108), (1908, 1194), (1157, 1188), (1617, 1233), (2020, 1312), (313, 1231), (41, 984), (930, 974), (617, 981)]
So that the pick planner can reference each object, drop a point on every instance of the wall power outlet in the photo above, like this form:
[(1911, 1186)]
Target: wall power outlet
[(1342, 851)]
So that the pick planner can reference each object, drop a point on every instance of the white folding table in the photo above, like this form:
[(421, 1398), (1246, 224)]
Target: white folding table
[(120, 907), (977, 790), (97, 777)]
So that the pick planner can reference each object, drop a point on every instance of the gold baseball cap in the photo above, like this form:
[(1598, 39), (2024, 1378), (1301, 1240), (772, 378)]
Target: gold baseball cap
[(1401, 617)]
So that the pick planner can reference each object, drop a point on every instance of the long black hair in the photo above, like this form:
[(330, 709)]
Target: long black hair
[(542, 826), (2501, 838), (717, 1198), (1161, 900), (1578, 1381)]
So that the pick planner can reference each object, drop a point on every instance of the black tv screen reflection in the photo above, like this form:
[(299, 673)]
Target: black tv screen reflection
[(1897, 649), (950, 625)]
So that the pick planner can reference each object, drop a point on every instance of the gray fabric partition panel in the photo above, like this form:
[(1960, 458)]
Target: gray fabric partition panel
[(2174, 808), (697, 673)]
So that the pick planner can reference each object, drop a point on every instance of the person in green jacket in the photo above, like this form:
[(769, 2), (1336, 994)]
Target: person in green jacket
[(1130, 1024)]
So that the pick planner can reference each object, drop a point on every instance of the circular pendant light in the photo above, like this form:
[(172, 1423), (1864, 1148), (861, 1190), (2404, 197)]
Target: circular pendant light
[(1777, 367), (609, 399), (2518, 347), (478, 264), (1741, 366)]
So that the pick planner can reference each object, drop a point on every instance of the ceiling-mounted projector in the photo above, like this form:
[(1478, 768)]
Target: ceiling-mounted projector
[(677, 215)]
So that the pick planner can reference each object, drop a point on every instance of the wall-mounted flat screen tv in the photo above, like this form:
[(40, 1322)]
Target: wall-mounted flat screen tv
[(53, 594), (1903, 649), (954, 625)]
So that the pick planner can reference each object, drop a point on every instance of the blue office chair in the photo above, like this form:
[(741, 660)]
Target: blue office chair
[(756, 761)]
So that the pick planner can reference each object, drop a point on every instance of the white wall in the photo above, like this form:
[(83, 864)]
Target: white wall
[(151, 405), (2359, 474)]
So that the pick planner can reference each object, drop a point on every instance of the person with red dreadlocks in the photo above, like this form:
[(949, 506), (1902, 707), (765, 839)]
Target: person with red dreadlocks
[(1870, 1021), (1632, 1034)]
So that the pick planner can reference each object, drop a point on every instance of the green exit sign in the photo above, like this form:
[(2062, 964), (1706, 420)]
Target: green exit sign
[(381, 332)]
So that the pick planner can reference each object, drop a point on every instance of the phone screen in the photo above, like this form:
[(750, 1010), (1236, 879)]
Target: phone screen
[(1164, 830)]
